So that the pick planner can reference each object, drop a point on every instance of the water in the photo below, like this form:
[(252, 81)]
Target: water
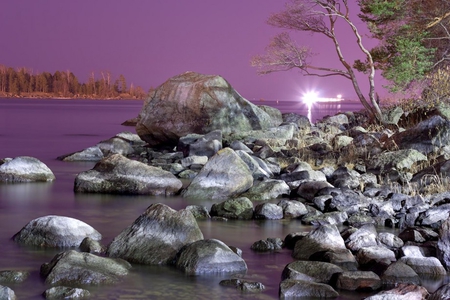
[(46, 129)]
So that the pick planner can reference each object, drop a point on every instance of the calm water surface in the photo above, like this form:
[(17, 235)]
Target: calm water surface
[(46, 129)]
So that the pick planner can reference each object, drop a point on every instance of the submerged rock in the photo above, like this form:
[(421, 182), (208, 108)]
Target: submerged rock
[(24, 169), (64, 292)]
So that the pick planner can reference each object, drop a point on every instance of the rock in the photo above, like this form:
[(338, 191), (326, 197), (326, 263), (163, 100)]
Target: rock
[(80, 268), (254, 165), (6, 293), (270, 244), (224, 176), (363, 237), (156, 236), (425, 137), (375, 255), (313, 271), (243, 285), (345, 178), (441, 293), (116, 145), (294, 179), (55, 231), (274, 114), (358, 281), (443, 245), (199, 212), (399, 273), (205, 257), (64, 292), (194, 160), (196, 103), (267, 190), (25, 169), (276, 136), (434, 216), (89, 154), (336, 217), (343, 258), (308, 190), (321, 239), (200, 145), (399, 160), (292, 209), (237, 208), (238, 145), (91, 246), (302, 122), (268, 211), (390, 240), (292, 238), (119, 175), (293, 289), (429, 266), (10, 276), (401, 292)]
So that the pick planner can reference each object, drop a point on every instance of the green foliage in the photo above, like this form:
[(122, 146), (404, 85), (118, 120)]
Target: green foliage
[(383, 8)]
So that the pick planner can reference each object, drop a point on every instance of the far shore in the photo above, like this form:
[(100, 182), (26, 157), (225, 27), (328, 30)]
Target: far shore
[(59, 97)]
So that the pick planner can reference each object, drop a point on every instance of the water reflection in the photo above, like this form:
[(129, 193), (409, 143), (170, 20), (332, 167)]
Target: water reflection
[(25, 194)]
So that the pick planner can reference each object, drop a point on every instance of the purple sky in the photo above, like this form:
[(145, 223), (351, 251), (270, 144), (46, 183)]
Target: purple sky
[(149, 41)]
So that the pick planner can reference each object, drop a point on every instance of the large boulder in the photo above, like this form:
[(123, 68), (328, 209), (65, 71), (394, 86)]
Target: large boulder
[(55, 231), (24, 169), (209, 257), (117, 174), (224, 176), (156, 236), (237, 208), (80, 268), (196, 103)]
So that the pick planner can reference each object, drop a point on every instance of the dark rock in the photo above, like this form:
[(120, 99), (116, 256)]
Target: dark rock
[(91, 246), (64, 292), (199, 212), (200, 145), (237, 208), (270, 244), (293, 289), (10, 276), (358, 281), (243, 285), (315, 271)]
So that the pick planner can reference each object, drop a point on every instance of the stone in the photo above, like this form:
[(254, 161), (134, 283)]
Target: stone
[(399, 272), (200, 145), (11, 276), (268, 189), (117, 174), (443, 245), (80, 268), (6, 293), (402, 292), (292, 209), (358, 281), (268, 211), (243, 285), (365, 236), (314, 271), (25, 169), (55, 231), (293, 289), (206, 257), (116, 145), (237, 208), (399, 160), (269, 244), (254, 165), (199, 212), (302, 122), (441, 293), (91, 246), (429, 266), (156, 236), (64, 292), (196, 103), (93, 153), (375, 255)]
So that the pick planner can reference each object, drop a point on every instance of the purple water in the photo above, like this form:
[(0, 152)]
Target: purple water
[(46, 129)]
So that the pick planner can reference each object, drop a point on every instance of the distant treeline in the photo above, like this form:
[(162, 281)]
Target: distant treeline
[(22, 82)]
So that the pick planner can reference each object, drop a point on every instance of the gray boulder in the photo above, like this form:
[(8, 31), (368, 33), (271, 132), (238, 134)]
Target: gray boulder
[(237, 208), (156, 236), (80, 268), (292, 209), (93, 153), (314, 271), (6, 293), (55, 231), (254, 165), (115, 145), (443, 245), (302, 122), (399, 272), (119, 175), (196, 103), (224, 176), (24, 169), (267, 190), (268, 211), (400, 160), (365, 236), (269, 244), (65, 292), (243, 285), (375, 255), (358, 281), (205, 257), (402, 292), (429, 266), (200, 144), (297, 289)]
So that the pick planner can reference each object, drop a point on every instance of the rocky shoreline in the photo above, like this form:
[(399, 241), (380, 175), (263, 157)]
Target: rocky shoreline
[(346, 179)]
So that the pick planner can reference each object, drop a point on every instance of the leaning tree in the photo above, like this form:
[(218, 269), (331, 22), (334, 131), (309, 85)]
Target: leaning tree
[(317, 17)]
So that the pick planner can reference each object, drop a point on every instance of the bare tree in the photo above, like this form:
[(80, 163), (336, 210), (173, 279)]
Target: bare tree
[(316, 16)]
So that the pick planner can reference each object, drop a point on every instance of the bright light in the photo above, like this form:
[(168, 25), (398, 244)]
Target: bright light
[(310, 97), (339, 96)]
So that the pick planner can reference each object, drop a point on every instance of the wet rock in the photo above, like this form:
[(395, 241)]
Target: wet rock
[(292, 238), (321, 239), (269, 211), (443, 245), (200, 145), (55, 231), (293, 289), (93, 153), (64, 292), (292, 209), (441, 293), (363, 237), (254, 165), (267, 190), (91, 246), (116, 145), (243, 285), (358, 281), (402, 292), (24, 169), (343, 258), (224, 176), (199, 212), (399, 273), (6, 293), (11, 276), (270, 244), (196, 103), (80, 268), (119, 175), (314, 271), (429, 266), (156, 236), (237, 208), (212, 256), (377, 256)]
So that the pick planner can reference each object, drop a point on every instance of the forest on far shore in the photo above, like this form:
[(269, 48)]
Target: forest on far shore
[(22, 82)]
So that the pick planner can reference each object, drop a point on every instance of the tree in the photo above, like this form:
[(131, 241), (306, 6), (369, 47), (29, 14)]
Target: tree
[(317, 17), (413, 36)]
